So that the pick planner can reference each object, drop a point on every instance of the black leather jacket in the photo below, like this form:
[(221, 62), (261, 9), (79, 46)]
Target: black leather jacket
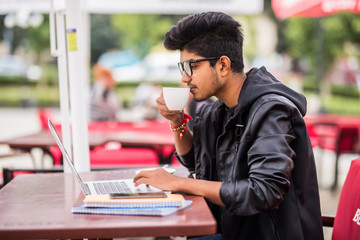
[(263, 157)]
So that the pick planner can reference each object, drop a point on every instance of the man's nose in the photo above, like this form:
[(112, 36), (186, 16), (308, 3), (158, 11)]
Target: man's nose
[(185, 78)]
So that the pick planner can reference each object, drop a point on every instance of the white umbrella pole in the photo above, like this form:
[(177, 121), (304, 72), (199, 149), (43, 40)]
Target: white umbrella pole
[(78, 102), (58, 49)]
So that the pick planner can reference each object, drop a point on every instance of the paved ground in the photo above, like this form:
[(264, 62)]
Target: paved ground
[(17, 121)]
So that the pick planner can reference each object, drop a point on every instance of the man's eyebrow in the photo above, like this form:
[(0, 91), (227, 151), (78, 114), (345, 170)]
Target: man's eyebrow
[(189, 60)]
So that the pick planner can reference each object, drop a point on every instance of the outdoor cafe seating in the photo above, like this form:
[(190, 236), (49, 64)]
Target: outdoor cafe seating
[(337, 133), (111, 154)]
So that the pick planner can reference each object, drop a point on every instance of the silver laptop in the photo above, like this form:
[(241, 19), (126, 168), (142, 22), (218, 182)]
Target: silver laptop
[(121, 186)]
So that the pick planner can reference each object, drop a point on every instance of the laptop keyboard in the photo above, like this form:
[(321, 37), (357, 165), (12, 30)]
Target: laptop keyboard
[(112, 187)]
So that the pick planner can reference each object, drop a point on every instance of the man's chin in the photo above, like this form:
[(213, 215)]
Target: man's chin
[(199, 99)]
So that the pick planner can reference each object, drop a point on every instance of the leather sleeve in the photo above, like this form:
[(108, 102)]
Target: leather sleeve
[(269, 159), (187, 160)]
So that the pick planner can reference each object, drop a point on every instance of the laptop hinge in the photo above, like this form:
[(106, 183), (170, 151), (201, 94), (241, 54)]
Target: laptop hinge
[(85, 189)]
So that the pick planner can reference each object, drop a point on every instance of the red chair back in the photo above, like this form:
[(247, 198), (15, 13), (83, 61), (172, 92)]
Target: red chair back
[(348, 140), (44, 115), (347, 219)]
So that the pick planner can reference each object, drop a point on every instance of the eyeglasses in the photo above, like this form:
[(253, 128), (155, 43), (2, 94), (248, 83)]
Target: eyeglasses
[(187, 68)]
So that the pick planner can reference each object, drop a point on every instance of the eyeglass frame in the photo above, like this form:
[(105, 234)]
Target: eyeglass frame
[(182, 68)]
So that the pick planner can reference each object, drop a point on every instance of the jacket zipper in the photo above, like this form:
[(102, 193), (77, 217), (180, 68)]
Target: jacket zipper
[(275, 227)]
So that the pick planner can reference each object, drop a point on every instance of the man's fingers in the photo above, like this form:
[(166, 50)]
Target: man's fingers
[(141, 180), (144, 176), (160, 100), (141, 174)]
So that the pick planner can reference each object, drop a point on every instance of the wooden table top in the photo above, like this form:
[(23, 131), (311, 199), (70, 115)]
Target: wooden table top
[(38, 206)]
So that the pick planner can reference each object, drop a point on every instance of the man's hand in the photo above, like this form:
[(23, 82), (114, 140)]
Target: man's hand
[(158, 178), (161, 179), (176, 117)]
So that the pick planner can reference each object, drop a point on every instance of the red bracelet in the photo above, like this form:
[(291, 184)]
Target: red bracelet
[(182, 127)]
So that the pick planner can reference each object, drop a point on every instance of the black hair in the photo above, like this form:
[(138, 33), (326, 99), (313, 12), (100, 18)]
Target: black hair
[(209, 34)]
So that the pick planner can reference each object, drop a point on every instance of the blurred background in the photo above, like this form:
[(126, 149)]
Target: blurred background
[(317, 56)]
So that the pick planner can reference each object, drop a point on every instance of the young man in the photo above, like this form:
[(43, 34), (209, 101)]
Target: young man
[(250, 149)]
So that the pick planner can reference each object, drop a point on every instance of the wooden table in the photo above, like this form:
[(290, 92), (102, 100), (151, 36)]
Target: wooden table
[(37, 206), (127, 138)]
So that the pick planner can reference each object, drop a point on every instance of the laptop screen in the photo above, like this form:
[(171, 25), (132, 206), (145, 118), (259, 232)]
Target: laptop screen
[(64, 152)]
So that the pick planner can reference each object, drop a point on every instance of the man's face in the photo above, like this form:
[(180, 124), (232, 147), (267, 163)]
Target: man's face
[(204, 81)]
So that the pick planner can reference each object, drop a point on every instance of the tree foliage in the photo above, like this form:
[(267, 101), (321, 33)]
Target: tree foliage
[(318, 42), (39, 38), (103, 35), (141, 31), (305, 38)]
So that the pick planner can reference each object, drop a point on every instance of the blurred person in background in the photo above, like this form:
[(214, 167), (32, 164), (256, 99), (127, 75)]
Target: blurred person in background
[(144, 103), (249, 150), (104, 103)]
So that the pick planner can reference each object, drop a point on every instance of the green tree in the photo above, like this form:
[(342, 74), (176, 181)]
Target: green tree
[(307, 38), (140, 32), (38, 39), (104, 36), (34, 39), (334, 31), (2, 27)]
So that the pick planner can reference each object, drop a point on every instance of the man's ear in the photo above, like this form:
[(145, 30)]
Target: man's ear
[(225, 65)]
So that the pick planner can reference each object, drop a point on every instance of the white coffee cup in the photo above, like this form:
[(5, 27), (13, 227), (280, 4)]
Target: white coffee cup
[(176, 98)]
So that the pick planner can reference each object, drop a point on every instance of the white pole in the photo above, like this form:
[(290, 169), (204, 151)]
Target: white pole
[(75, 34), (58, 49), (64, 87), (86, 59)]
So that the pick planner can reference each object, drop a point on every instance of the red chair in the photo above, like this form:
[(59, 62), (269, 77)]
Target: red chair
[(337, 139), (43, 115), (346, 223), (112, 155), (314, 138)]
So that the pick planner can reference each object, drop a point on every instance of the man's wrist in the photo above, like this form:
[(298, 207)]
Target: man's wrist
[(180, 185), (182, 127), (176, 123), (184, 119)]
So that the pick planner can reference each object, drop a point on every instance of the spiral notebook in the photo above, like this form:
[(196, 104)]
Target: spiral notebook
[(104, 200), (134, 211)]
